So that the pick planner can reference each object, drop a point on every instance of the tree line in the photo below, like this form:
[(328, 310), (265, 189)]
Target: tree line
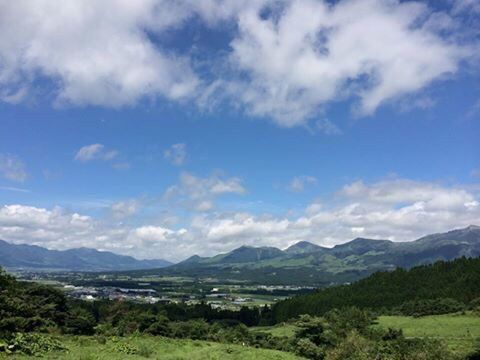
[(442, 287)]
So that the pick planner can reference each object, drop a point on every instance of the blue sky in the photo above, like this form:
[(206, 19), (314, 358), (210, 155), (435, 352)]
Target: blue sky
[(198, 129)]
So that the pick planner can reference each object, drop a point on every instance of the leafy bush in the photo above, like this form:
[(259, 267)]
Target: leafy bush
[(357, 347), (79, 322), (126, 348), (32, 344), (145, 351), (308, 349)]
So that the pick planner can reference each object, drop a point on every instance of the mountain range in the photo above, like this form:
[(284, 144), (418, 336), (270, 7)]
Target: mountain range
[(303, 263), (307, 263), (32, 257)]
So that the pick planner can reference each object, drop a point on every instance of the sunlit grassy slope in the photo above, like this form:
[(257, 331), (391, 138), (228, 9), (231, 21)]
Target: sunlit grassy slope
[(147, 347), (460, 332), (283, 330)]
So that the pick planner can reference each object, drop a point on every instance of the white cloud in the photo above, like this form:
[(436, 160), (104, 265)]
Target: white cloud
[(12, 168), (96, 53), (53, 228), (200, 193), (396, 209), (461, 6), (125, 208), (176, 154), (400, 210), (95, 152), (287, 60), (298, 183), (398, 191), (313, 53)]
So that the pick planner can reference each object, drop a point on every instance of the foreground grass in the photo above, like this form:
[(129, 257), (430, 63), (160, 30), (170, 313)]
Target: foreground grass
[(461, 333), (142, 347)]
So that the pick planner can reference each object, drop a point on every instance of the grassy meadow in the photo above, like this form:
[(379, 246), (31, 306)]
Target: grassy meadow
[(460, 332), (282, 330), (149, 347)]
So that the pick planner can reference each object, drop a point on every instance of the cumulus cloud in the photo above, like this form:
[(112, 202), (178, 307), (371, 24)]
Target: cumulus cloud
[(314, 53), (95, 152), (176, 154), (399, 210), (399, 191), (95, 53), (395, 209), (298, 183), (53, 228), (12, 168), (200, 193), (286, 60), (58, 228)]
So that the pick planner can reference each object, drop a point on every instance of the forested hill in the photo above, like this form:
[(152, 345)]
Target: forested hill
[(458, 279)]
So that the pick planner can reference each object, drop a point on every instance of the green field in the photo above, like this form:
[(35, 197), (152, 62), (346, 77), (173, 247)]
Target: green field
[(148, 347), (285, 330), (460, 332)]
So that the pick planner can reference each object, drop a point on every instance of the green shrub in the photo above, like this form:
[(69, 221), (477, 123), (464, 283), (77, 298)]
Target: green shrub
[(309, 350), (353, 347), (145, 351), (79, 322), (126, 348), (32, 344)]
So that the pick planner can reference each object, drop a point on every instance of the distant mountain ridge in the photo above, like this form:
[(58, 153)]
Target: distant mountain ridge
[(304, 247), (308, 263), (32, 257), (302, 263)]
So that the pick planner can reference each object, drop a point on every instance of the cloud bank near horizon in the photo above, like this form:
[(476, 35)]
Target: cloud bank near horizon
[(395, 209)]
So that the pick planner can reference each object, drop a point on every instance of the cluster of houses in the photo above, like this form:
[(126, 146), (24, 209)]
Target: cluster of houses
[(215, 298), (149, 296)]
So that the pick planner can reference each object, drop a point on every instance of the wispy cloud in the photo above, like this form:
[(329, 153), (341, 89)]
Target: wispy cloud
[(176, 154), (15, 189), (12, 168), (327, 127), (95, 152), (299, 183)]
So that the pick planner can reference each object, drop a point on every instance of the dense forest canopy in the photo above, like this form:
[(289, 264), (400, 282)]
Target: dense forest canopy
[(458, 280)]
